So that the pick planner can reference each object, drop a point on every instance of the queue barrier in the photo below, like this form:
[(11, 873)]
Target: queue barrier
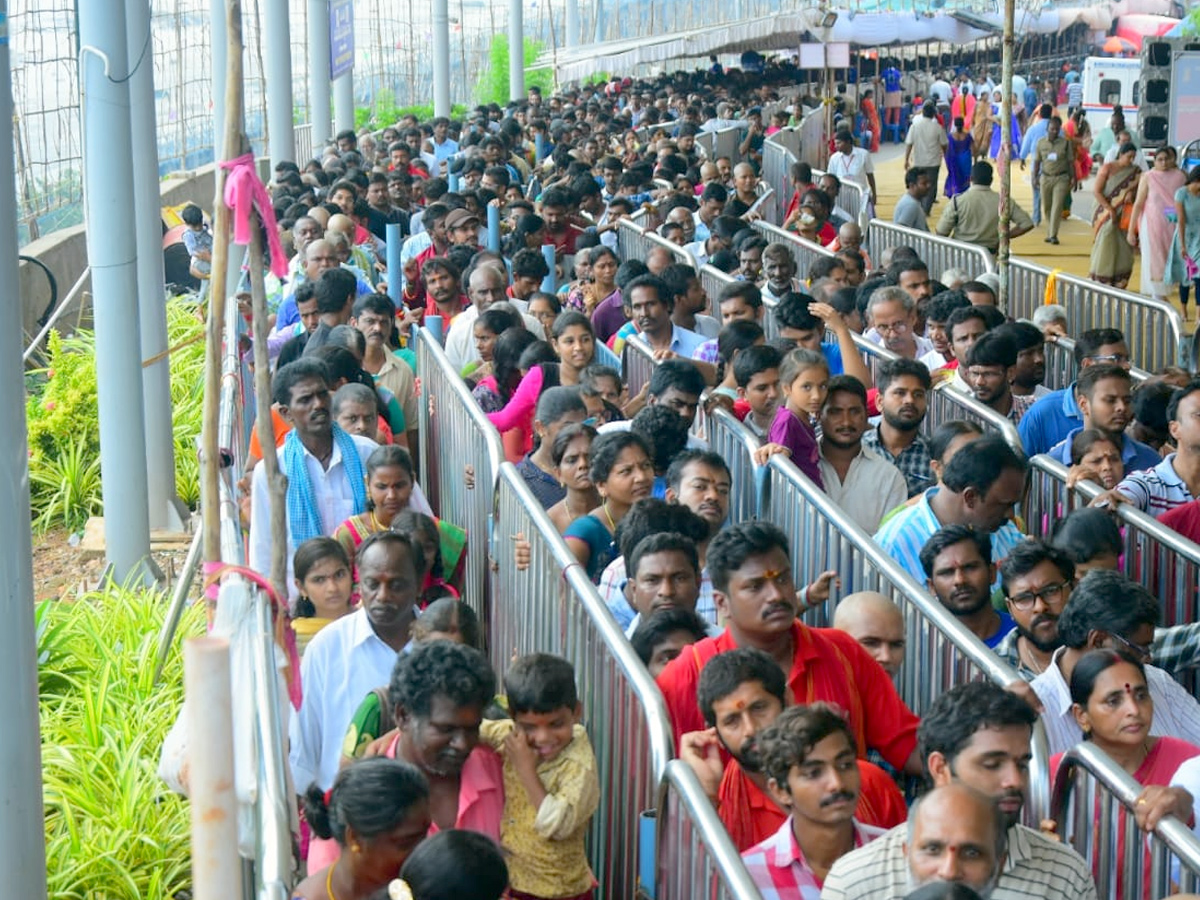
[(713, 280), (852, 200), (552, 607), (941, 653), (734, 443), (804, 252), (1158, 557), (947, 404), (1061, 368), (874, 355), (776, 171), (1153, 329), (1093, 803), (461, 454), (635, 243), (695, 856), (637, 363), (939, 253)]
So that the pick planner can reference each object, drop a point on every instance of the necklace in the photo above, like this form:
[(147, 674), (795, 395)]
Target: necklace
[(612, 526), (376, 525), (329, 883), (572, 516), (1030, 661)]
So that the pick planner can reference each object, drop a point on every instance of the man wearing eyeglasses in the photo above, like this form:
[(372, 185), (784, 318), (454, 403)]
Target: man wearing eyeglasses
[(1106, 610)]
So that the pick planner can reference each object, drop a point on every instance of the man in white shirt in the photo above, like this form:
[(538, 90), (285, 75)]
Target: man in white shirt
[(854, 164), (893, 316), (1109, 611), (924, 148), (354, 655), (485, 288), (864, 484)]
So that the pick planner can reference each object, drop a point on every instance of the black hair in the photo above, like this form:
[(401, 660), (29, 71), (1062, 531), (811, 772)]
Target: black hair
[(732, 546), (538, 354), (1086, 439), (506, 359), (944, 435), (726, 672), (792, 312), (943, 890), (948, 726), (307, 555), (677, 277), (571, 318), (993, 350), (981, 463), (847, 384), (1023, 334), (415, 551), (375, 302), (753, 360), (1105, 601), (1089, 668), (680, 374), (892, 369), (1087, 533), (664, 430), (965, 314), (556, 402), (440, 669), (445, 613), (660, 288), (736, 337), (653, 629), (1151, 400), (192, 215), (333, 288), (1176, 398), (499, 318), (456, 865), (413, 523), (540, 683), (686, 458), (786, 742), (391, 455), (287, 377), (746, 290), (1027, 555), (1090, 376), (530, 263), (627, 273), (1090, 341), (948, 536), (568, 434), (607, 447), (372, 796), (662, 542)]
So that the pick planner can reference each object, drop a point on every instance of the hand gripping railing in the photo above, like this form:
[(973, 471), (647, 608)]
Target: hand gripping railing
[(941, 652), (552, 607), (734, 443), (939, 253), (456, 436), (946, 404), (804, 252), (1158, 557), (1094, 802), (695, 856), (637, 364)]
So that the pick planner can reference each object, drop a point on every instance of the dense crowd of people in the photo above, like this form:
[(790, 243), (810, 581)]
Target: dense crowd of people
[(425, 775)]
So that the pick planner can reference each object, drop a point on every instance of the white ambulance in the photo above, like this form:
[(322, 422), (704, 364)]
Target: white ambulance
[(1108, 82)]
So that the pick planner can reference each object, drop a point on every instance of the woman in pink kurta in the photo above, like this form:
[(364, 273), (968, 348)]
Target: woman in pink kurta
[(1153, 225)]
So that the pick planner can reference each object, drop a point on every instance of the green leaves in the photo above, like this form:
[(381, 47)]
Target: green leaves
[(113, 830)]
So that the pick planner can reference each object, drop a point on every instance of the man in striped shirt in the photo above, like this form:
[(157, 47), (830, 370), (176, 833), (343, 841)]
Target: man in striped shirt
[(977, 736)]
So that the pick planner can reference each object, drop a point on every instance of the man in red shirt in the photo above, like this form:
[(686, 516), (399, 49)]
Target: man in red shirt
[(742, 692), (754, 589), (444, 296), (557, 206), (435, 222)]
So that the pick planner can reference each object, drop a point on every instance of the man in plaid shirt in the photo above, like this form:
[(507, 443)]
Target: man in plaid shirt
[(809, 758)]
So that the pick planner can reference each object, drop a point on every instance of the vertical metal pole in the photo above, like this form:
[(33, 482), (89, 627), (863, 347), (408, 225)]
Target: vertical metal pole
[(23, 849), (318, 73), (516, 50), (343, 102), (165, 509), (112, 253), (571, 27), (441, 57), (280, 125), (220, 59), (1005, 159)]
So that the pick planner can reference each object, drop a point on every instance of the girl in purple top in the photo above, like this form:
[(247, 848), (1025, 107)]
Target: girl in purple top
[(804, 377)]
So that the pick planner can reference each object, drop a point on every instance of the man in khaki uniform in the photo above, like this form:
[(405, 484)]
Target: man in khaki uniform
[(973, 217), (1054, 164)]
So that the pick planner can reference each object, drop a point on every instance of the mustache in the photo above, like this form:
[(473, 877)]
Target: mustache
[(839, 797)]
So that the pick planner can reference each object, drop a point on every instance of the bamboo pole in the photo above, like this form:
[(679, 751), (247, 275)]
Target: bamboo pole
[(216, 866), (232, 147), (276, 480)]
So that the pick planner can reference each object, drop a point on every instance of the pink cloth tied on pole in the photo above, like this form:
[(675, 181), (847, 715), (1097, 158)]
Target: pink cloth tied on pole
[(245, 191)]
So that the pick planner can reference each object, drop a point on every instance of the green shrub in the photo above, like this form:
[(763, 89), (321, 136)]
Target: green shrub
[(384, 112), (493, 83), (113, 829)]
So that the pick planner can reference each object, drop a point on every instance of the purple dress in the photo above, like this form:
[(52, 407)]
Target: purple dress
[(1015, 135), (958, 164)]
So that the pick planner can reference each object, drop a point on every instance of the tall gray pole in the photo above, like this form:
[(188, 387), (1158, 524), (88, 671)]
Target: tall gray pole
[(441, 57), (278, 37), (220, 62), (343, 102), (165, 509), (1005, 160), (318, 73), (516, 51), (571, 26), (112, 253), (23, 849)]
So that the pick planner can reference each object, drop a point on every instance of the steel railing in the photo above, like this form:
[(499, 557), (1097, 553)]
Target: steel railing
[(456, 436), (1094, 802), (552, 607), (852, 199), (1158, 557), (695, 855), (736, 445), (637, 363), (874, 355), (1061, 369), (804, 252), (635, 243), (941, 652), (1153, 329), (304, 144), (57, 313), (947, 404), (713, 280), (939, 253)]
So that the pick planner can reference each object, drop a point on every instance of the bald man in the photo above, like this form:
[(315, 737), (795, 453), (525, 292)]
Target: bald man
[(486, 287), (877, 624), (956, 834)]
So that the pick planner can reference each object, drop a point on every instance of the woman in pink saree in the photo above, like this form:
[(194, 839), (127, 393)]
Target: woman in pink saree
[(1153, 226)]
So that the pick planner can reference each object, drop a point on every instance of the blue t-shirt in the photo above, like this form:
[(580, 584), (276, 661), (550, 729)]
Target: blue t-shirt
[(1050, 420), (891, 80), (833, 356), (1006, 625)]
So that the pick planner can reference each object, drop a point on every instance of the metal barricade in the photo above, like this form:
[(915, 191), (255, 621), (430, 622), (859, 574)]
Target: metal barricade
[(805, 252), (941, 652), (637, 364), (552, 608), (851, 199), (304, 147), (1093, 802), (456, 436), (708, 141), (947, 404), (939, 253), (736, 445), (1158, 557), (633, 243), (874, 355), (727, 142), (776, 173), (1026, 287), (695, 857), (713, 281), (813, 148), (1061, 369)]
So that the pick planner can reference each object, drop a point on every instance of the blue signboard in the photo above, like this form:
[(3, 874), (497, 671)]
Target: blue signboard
[(1185, 98), (341, 37)]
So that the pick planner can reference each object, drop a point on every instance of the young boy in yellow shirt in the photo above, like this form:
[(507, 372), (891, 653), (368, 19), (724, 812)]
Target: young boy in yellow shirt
[(551, 787)]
